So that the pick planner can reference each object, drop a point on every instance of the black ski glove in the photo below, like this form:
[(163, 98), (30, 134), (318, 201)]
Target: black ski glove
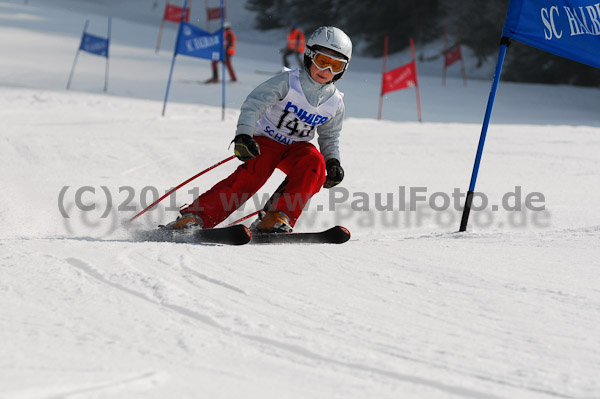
[(245, 148), (335, 173)]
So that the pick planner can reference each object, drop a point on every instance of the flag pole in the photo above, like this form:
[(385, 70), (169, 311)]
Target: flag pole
[(445, 52), (169, 83), (462, 68), (385, 51), (174, 56), (412, 49), (162, 26), (462, 59), (223, 62), (207, 20), (85, 26), (160, 31), (107, 57), (504, 43)]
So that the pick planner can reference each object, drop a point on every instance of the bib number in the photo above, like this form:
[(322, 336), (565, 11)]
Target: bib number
[(292, 126)]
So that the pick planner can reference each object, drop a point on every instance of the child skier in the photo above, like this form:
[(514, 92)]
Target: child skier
[(276, 123)]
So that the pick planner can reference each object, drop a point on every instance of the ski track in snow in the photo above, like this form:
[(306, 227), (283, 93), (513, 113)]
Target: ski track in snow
[(143, 381), (293, 349), (166, 295), (407, 308)]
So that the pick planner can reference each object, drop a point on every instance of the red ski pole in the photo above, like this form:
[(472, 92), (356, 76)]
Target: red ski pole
[(181, 185), (244, 218)]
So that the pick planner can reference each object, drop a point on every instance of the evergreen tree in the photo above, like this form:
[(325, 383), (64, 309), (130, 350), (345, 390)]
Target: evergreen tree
[(479, 24), (400, 21), (366, 21), (524, 63), (269, 13)]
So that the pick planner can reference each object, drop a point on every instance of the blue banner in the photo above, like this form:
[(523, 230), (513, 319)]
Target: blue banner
[(94, 44), (568, 28), (195, 42)]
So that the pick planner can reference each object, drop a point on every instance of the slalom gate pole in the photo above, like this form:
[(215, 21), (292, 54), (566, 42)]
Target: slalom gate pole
[(77, 54), (504, 43), (174, 56), (223, 62), (181, 185), (385, 51), (462, 59), (160, 31), (444, 54), (418, 93), (107, 54), (462, 67), (169, 83), (207, 20)]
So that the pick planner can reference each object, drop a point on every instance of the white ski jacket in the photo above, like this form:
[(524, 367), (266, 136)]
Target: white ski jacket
[(268, 95)]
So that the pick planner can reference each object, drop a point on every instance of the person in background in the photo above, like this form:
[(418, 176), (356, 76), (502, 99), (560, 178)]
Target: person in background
[(229, 52), (295, 45)]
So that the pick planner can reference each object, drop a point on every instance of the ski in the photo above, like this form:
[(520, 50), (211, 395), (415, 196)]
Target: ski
[(334, 235), (240, 235), (231, 235)]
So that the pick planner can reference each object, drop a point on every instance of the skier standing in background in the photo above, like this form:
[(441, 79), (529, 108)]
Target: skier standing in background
[(230, 40), (295, 45), (276, 123)]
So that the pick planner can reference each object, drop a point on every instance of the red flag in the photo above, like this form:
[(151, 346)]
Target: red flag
[(173, 13), (399, 78), (451, 56), (213, 13)]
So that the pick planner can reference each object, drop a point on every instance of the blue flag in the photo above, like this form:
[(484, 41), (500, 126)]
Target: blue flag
[(195, 42), (94, 44), (568, 28)]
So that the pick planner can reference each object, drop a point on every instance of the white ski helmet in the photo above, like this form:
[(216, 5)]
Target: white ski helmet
[(331, 38)]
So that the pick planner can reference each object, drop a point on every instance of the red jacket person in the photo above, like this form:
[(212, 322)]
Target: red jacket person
[(295, 45), (229, 52)]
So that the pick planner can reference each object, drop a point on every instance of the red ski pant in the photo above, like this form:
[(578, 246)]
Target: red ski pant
[(301, 162), (215, 65)]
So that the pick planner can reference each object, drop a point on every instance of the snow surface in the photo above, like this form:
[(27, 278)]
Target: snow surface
[(407, 309)]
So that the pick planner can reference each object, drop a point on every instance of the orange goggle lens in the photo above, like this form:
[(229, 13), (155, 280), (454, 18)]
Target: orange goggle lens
[(324, 61)]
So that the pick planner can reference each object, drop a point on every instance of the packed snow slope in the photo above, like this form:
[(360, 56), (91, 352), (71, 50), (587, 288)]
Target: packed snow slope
[(408, 308)]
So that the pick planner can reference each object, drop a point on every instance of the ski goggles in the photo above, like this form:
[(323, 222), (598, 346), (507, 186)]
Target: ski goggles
[(324, 61)]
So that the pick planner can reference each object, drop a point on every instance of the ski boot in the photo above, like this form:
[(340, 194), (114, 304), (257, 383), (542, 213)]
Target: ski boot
[(272, 222), (186, 221)]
